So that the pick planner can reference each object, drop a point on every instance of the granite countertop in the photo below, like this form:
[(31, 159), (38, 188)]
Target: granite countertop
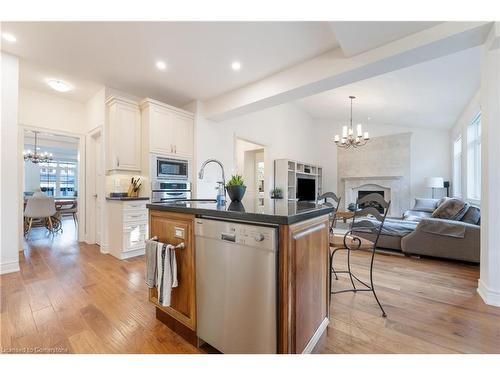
[(127, 198), (276, 211)]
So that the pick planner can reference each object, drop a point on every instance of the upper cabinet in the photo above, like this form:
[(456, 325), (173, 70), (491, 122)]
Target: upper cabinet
[(123, 135), (167, 130)]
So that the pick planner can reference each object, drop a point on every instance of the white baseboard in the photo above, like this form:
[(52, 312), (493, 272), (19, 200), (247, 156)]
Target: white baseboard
[(9, 267), (490, 297), (104, 248), (131, 254), (315, 338)]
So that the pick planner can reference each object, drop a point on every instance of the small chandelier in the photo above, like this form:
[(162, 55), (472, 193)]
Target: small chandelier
[(348, 139), (37, 157)]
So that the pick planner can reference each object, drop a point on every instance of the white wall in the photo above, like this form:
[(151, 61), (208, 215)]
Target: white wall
[(95, 110), (9, 185), (460, 128), (430, 153), (51, 112), (285, 130)]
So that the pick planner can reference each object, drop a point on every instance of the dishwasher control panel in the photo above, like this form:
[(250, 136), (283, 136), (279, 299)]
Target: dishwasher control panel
[(239, 233)]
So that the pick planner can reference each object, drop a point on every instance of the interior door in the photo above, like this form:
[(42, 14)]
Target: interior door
[(98, 180)]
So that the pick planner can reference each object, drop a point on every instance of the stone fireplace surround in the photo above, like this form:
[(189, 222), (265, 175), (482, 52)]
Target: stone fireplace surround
[(390, 185)]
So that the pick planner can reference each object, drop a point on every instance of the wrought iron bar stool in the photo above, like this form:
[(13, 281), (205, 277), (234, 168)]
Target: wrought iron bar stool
[(368, 205), (336, 203)]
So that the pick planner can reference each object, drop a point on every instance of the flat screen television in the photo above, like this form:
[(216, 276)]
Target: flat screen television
[(306, 189)]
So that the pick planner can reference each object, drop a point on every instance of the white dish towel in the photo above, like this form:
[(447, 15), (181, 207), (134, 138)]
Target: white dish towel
[(166, 277)]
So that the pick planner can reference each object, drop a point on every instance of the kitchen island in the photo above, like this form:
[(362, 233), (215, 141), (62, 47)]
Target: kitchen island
[(302, 291)]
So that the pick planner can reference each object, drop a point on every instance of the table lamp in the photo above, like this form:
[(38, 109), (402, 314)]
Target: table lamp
[(434, 183)]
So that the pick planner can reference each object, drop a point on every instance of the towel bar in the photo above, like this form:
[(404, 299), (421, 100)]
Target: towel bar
[(180, 246)]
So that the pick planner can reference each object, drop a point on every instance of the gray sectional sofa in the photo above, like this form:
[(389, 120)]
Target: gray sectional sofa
[(431, 228)]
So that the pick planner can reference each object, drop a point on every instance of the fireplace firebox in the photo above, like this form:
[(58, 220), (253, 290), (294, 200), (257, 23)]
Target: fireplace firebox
[(363, 193)]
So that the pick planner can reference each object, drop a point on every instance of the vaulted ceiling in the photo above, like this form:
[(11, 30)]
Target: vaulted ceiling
[(432, 94)]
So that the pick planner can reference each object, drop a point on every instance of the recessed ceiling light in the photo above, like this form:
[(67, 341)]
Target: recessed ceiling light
[(59, 85), (9, 37), (236, 65), (161, 65)]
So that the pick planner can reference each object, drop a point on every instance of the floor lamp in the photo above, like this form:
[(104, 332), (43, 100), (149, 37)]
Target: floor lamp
[(434, 183)]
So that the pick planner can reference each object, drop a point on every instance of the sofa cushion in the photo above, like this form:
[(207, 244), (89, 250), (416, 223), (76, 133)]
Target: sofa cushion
[(451, 209), (472, 216), (425, 204), (412, 215), (391, 227)]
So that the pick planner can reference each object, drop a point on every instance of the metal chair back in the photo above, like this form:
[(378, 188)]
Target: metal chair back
[(376, 222), (336, 203)]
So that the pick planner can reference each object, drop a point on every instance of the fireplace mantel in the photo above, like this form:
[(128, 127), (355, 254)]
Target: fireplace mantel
[(391, 185)]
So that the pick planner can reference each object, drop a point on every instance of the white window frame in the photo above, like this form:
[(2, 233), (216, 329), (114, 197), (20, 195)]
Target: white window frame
[(474, 159), (457, 167)]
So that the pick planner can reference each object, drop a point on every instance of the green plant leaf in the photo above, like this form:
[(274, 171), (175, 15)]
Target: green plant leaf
[(236, 180)]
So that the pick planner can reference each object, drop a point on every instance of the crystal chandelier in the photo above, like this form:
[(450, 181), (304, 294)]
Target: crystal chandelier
[(348, 138), (35, 156)]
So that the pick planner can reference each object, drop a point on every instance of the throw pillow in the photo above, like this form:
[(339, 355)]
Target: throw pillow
[(472, 216), (441, 201), (425, 204), (451, 209)]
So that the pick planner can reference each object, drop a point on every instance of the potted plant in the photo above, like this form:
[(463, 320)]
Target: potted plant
[(236, 188), (277, 193)]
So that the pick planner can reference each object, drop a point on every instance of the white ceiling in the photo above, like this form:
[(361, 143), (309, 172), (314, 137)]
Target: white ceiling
[(122, 55), (359, 36), (429, 95)]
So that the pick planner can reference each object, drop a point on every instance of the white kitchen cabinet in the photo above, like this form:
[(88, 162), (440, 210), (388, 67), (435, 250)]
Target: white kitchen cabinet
[(182, 135), (167, 130), (127, 226), (123, 135)]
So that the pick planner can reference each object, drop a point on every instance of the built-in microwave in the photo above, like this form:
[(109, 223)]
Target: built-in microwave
[(168, 169)]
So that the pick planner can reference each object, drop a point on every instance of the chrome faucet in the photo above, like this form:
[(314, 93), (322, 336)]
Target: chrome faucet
[(202, 170)]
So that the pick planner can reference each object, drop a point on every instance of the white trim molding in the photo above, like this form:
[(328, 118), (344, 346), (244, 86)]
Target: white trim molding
[(490, 297), (9, 267), (315, 338)]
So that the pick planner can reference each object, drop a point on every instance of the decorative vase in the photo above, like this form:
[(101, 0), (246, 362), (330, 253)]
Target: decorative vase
[(236, 192), (352, 207)]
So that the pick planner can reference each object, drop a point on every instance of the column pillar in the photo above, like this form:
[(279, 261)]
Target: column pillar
[(489, 282)]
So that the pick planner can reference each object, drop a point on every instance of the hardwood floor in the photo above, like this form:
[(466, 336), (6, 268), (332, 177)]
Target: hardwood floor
[(432, 307), (70, 298)]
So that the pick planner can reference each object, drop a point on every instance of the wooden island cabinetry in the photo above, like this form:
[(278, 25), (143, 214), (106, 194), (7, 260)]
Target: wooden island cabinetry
[(174, 228), (302, 285)]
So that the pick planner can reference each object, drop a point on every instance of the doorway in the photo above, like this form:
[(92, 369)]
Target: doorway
[(51, 172), (250, 163)]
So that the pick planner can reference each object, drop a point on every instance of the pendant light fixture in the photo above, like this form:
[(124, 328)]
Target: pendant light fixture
[(35, 156), (348, 138)]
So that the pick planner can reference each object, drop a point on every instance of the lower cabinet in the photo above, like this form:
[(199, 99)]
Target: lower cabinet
[(174, 228), (303, 283), (127, 227)]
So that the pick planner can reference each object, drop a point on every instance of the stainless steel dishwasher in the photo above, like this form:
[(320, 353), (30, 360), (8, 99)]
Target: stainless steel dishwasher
[(236, 286)]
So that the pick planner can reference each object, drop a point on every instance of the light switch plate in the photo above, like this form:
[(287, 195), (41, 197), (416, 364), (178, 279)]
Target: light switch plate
[(179, 232)]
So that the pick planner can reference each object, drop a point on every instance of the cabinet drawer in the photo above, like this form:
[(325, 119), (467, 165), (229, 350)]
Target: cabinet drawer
[(134, 217), (135, 205), (134, 236)]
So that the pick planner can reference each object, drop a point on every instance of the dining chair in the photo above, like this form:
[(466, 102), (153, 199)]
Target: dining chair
[(336, 203), (40, 206), (368, 219), (69, 208)]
